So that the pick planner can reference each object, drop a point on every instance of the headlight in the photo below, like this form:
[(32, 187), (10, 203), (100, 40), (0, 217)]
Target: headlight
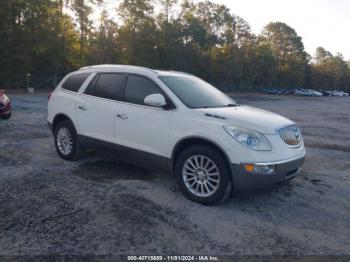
[(249, 138)]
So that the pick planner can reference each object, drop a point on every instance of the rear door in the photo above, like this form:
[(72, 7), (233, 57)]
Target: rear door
[(97, 106)]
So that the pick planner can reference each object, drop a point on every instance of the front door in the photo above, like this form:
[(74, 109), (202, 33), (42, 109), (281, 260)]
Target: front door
[(143, 127)]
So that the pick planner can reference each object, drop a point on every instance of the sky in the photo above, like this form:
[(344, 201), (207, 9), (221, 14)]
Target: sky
[(323, 23)]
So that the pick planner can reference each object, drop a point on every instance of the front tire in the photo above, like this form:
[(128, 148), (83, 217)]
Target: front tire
[(66, 142), (203, 175)]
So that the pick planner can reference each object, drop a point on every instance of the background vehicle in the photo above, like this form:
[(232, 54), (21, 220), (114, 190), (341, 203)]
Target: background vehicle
[(297, 91), (326, 93), (289, 92), (309, 92), (5, 105), (341, 93), (336, 93), (273, 91), (211, 144)]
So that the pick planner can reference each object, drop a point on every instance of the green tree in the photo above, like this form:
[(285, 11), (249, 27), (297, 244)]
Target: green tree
[(138, 31), (288, 49), (321, 55), (330, 72), (30, 41), (104, 47), (266, 67), (49, 38), (82, 11), (170, 44)]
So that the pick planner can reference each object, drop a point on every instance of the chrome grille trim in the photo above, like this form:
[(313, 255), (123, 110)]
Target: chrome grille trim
[(290, 135)]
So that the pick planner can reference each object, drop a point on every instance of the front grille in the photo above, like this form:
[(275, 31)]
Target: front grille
[(290, 135)]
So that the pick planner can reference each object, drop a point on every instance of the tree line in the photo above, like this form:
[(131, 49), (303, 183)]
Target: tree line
[(41, 40)]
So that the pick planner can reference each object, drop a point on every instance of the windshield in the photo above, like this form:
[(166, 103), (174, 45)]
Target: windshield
[(196, 93)]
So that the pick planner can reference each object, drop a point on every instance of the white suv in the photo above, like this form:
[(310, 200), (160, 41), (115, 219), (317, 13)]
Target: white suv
[(176, 121)]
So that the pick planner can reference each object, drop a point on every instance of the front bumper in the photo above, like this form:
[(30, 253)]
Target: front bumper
[(246, 181)]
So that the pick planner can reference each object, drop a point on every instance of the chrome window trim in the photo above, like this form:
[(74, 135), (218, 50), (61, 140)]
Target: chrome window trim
[(123, 102), (83, 87)]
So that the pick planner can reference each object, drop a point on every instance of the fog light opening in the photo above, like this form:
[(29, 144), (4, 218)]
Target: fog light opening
[(260, 169), (249, 167)]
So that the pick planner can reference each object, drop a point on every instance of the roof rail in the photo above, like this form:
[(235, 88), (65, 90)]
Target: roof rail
[(98, 66), (116, 66), (174, 71)]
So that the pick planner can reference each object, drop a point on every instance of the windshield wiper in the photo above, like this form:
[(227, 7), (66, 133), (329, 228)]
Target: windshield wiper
[(231, 105)]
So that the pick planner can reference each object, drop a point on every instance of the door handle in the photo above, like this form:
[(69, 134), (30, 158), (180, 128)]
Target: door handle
[(122, 116), (83, 107)]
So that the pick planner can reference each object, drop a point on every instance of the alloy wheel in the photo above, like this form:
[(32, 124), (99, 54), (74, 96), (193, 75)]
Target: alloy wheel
[(201, 175), (64, 141)]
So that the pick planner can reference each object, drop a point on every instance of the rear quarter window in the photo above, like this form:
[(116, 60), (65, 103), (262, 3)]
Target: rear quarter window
[(74, 82)]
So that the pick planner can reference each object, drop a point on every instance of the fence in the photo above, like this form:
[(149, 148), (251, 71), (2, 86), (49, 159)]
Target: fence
[(25, 80)]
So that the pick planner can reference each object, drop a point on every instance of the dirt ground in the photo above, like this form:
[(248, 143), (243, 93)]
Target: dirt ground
[(100, 206)]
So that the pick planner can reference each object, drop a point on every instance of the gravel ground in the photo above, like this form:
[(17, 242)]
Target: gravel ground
[(100, 206)]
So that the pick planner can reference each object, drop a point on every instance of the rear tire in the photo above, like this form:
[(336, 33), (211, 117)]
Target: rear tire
[(66, 141), (6, 117), (203, 175)]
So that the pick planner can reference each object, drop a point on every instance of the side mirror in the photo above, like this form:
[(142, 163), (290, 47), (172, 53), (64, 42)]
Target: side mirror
[(157, 100)]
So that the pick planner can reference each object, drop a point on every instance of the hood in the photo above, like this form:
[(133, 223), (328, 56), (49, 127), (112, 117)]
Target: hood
[(249, 117)]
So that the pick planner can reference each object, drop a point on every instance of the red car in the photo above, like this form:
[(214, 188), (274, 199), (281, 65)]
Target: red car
[(5, 106)]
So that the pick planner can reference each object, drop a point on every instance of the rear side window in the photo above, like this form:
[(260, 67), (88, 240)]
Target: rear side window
[(74, 82), (107, 86), (138, 87)]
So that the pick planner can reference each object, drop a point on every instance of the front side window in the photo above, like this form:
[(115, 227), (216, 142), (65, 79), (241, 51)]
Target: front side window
[(74, 82), (137, 88), (196, 93), (107, 86)]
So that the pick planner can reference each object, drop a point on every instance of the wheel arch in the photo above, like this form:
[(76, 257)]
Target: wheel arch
[(195, 140), (61, 117)]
